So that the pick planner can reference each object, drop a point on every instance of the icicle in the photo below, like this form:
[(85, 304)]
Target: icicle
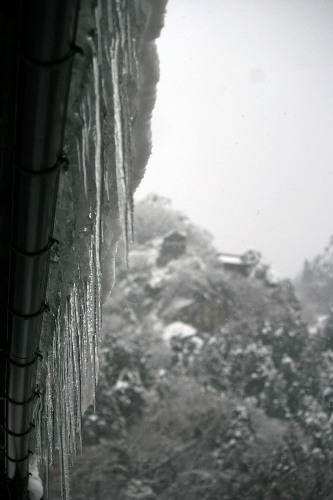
[(98, 177), (98, 17), (77, 355), (85, 147), (122, 118), (49, 412), (121, 25), (121, 182), (103, 153), (78, 151), (130, 47), (107, 180), (93, 311), (37, 420), (84, 319)]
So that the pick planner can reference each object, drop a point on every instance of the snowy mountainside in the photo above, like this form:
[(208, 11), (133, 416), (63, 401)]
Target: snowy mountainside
[(209, 380)]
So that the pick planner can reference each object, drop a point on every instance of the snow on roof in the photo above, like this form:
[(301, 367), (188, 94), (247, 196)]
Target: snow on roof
[(175, 233), (230, 259)]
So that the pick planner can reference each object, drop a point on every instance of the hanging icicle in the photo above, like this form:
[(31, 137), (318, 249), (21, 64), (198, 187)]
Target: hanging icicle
[(108, 144)]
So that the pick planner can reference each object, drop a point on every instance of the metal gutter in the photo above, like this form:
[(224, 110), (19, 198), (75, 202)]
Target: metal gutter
[(8, 63), (48, 30)]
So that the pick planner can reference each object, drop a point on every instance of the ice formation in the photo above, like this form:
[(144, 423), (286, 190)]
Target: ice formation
[(35, 486), (108, 144)]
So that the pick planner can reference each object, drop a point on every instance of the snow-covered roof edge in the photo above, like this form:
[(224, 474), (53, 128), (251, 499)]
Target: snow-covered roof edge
[(108, 144)]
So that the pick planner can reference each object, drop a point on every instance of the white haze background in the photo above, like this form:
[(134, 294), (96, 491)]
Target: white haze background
[(243, 127)]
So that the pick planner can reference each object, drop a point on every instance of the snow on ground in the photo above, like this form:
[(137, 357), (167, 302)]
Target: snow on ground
[(178, 329)]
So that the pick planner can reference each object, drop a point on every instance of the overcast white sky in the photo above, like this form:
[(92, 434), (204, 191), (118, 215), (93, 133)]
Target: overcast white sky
[(243, 124)]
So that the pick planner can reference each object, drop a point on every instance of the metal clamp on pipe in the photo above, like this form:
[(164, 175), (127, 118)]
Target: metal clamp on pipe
[(22, 253), (34, 394), (44, 308), (19, 364), (61, 160), (18, 460), (74, 49), (18, 434)]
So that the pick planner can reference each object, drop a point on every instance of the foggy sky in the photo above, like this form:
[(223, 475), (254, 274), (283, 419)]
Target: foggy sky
[(243, 127)]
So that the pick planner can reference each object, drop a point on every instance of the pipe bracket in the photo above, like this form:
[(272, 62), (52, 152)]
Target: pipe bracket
[(38, 355), (49, 65), (18, 460), (61, 161), (44, 308), (22, 403), (19, 434), (52, 241)]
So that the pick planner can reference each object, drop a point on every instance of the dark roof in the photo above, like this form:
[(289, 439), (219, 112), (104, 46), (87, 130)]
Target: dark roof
[(174, 235)]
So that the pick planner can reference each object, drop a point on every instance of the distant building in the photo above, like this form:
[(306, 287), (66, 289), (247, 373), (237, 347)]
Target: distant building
[(250, 263), (242, 264), (173, 246)]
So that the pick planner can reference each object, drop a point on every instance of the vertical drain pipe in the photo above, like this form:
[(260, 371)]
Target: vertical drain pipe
[(48, 30)]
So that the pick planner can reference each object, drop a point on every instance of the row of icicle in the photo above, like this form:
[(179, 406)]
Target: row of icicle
[(72, 360)]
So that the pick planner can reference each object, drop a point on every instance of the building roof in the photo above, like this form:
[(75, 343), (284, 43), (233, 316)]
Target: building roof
[(230, 259), (174, 235)]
